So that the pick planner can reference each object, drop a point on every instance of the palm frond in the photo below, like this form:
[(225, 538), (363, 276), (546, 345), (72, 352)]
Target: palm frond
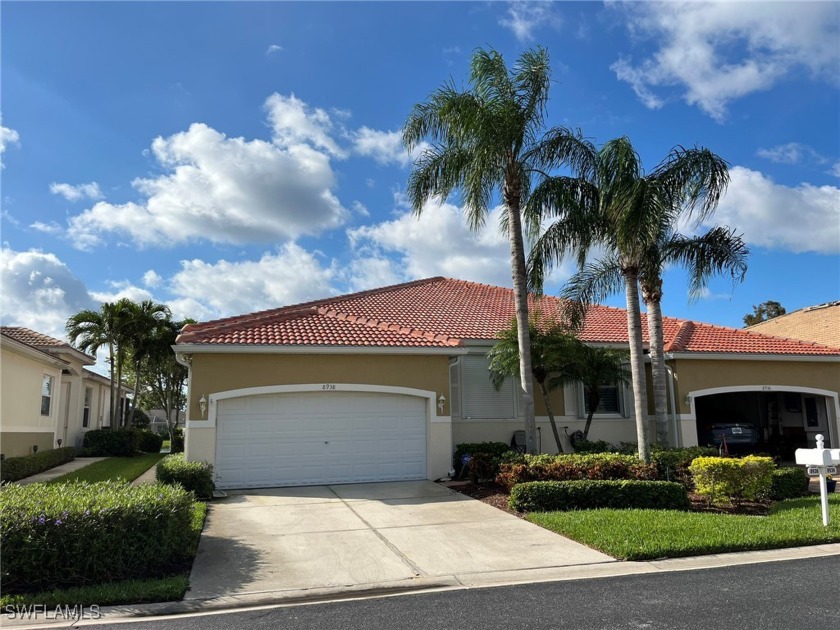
[(693, 179), (718, 251), (592, 284)]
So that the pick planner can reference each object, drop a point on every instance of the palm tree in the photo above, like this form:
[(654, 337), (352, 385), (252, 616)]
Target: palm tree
[(91, 330), (144, 318), (490, 140), (613, 204), (553, 348), (594, 366), (717, 251)]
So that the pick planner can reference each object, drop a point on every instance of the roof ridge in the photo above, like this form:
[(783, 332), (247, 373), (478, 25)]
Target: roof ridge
[(681, 338), (47, 342), (389, 326), (311, 304)]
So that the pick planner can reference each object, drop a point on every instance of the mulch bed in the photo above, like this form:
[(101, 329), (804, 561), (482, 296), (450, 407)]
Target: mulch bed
[(496, 495)]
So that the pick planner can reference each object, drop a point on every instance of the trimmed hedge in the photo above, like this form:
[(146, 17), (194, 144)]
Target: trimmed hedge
[(600, 466), (722, 479), (149, 442), (672, 463), (196, 477), (111, 442), (789, 482), (549, 496), (494, 449), (64, 535), (594, 446), (14, 468)]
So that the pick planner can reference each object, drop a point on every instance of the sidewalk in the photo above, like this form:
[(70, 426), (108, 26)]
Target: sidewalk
[(147, 477), (58, 471)]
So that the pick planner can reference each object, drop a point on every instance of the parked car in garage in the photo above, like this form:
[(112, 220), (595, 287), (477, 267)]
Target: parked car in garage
[(736, 434)]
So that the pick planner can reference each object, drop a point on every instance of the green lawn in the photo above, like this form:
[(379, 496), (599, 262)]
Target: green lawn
[(651, 534), (165, 445), (128, 468), (165, 589)]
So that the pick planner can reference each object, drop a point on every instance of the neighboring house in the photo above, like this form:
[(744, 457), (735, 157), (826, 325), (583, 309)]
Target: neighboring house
[(820, 324), (47, 393), (381, 385), (157, 420)]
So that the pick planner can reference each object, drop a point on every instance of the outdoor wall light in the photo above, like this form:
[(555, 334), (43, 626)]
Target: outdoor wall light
[(59, 442), (688, 401), (202, 404), (441, 403)]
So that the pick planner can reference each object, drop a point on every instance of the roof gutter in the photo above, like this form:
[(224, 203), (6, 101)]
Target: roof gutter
[(744, 356)]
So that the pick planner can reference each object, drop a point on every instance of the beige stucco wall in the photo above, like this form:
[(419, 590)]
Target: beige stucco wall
[(18, 444), (21, 378), (215, 373)]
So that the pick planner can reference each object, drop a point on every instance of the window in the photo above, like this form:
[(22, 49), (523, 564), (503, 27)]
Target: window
[(86, 411), (610, 402), (480, 399), (46, 395)]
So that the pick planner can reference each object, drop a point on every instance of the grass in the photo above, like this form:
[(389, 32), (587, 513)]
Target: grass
[(165, 589), (165, 445), (652, 534), (128, 468)]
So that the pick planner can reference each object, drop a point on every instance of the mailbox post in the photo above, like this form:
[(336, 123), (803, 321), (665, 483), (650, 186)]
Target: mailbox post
[(820, 461)]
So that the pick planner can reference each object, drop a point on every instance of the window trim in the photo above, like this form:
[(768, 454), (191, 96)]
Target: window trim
[(86, 407), (620, 395), (48, 378)]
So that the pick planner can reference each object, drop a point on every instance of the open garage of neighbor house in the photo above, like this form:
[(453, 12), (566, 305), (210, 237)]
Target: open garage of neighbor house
[(382, 385)]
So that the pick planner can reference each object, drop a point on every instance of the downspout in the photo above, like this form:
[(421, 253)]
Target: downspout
[(677, 429)]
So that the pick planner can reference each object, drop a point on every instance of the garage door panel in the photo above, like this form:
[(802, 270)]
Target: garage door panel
[(316, 438)]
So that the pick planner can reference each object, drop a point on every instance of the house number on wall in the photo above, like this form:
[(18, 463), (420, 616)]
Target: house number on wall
[(766, 388), (328, 387)]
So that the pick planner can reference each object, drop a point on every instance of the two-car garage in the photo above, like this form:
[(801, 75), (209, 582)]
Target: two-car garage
[(319, 437)]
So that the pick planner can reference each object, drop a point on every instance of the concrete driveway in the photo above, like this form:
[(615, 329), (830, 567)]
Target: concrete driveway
[(364, 537)]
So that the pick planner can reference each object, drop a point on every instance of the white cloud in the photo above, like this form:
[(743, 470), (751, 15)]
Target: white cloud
[(47, 228), (699, 46), (289, 275), (360, 208), (438, 243), (8, 137), (385, 147), (152, 279), (835, 169), (524, 18), (119, 289), (273, 48), (804, 218), (295, 124), (39, 291), (229, 190), (77, 193), (790, 153)]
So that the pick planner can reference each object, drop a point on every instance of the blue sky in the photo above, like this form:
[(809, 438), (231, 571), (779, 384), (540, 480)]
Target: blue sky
[(231, 157)]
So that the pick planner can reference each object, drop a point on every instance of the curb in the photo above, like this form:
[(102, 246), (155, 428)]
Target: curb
[(269, 599)]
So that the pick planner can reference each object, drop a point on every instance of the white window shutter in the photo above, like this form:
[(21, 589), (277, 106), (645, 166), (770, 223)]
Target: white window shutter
[(480, 398), (455, 389)]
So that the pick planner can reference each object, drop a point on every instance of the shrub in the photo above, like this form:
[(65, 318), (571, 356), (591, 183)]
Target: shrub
[(139, 419), (196, 477), (78, 533), (721, 479), (594, 446), (545, 496), (789, 482), (672, 463), (111, 443), (14, 468), (494, 449), (601, 466), (149, 442), (177, 443)]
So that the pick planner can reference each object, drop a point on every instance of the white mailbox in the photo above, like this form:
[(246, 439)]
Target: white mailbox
[(820, 461)]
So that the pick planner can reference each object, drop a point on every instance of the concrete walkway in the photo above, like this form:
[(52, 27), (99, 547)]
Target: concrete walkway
[(58, 471), (147, 477)]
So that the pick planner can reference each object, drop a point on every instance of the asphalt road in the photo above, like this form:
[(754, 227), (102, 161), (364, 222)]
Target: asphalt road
[(789, 595)]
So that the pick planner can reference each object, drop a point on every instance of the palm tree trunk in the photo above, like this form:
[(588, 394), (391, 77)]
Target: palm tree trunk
[(520, 294), (550, 413), (637, 363), (111, 411), (653, 301), (594, 400), (119, 386), (136, 390)]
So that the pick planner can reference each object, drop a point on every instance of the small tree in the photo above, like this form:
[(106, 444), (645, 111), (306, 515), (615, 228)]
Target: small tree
[(763, 312), (594, 367), (553, 349)]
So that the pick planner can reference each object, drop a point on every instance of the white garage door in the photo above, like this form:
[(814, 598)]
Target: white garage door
[(317, 438)]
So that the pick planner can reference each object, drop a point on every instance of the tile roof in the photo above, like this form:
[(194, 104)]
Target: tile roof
[(820, 324), (442, 312), (40, 341)]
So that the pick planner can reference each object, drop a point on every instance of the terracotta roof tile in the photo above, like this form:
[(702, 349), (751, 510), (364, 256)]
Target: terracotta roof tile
[(441, 312), (40, 341)]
